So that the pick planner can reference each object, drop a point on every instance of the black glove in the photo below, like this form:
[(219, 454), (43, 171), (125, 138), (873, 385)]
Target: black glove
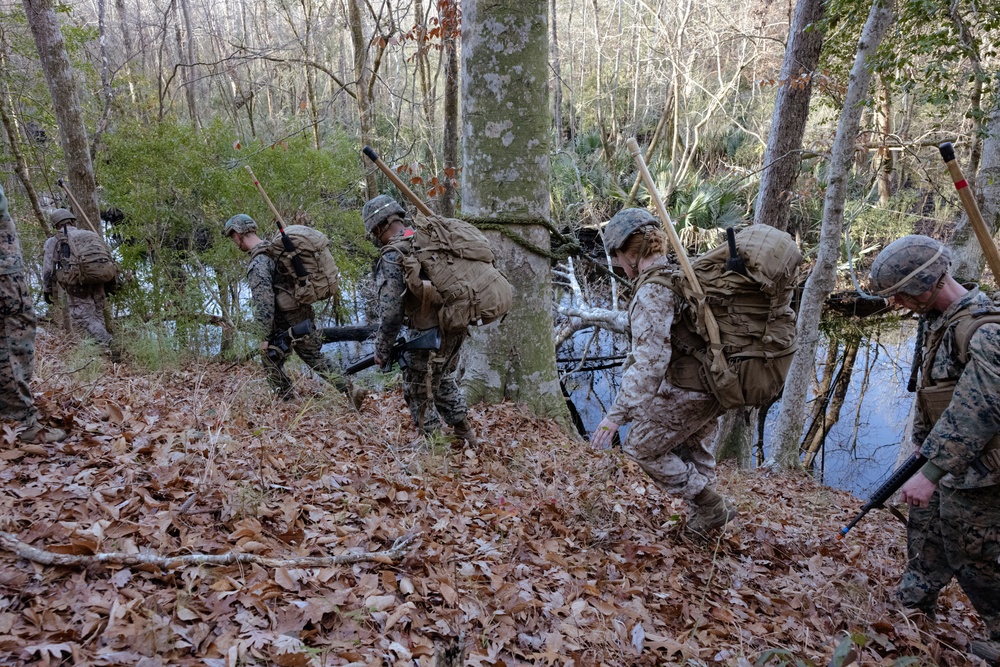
[(47, 296)]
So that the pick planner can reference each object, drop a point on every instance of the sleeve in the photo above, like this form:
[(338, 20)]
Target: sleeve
[(390, 286), (260, 275), (973, 417), (49, 263), (650, 321)]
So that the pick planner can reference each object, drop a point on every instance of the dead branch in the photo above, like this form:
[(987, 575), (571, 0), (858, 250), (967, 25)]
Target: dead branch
[(10, 543)]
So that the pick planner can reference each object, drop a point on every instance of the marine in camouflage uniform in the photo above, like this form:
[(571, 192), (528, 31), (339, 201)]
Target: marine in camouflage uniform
[(17, 342), (269, 320), (672, 428), (430, 387), (954, 523), (85, 303)]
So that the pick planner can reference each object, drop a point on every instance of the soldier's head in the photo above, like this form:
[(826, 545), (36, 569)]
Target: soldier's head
[(912, 271), (242, 230), (381, 216), (632, 235), (61, 217)]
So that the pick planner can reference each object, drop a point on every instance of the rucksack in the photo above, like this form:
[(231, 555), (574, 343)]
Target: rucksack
[(449, 268), (84, 258), (313, 248), (756, 321)]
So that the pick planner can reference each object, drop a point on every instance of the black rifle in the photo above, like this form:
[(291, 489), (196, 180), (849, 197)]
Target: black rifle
[(429, 340), (889, 487), (279, 346)]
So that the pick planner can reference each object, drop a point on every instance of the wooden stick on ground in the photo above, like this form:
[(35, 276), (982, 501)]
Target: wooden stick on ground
[(10, 543)]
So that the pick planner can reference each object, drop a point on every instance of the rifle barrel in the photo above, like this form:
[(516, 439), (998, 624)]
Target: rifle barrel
[(889, 487)]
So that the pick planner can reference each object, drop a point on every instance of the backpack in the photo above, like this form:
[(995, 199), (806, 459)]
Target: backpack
[(756, 321), (313, 248), (449, 268), (84, 258)]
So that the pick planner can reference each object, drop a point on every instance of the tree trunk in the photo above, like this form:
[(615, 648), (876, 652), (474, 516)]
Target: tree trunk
[(784, 443), (362, 74), (791, 109), (21, 165), (831, 413), (556, 80), (735, 438), (507, 134), (969, 261), (66, 103), (450, 27)]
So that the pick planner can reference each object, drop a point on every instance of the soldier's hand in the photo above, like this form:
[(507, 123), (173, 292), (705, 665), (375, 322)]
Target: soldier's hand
[(47, 296), (918, 490), (604, 434)]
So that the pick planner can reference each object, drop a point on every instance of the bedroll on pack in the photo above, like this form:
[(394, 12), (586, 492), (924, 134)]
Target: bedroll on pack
[(313, 247), (450, 269), (84, 258), (755, 317)]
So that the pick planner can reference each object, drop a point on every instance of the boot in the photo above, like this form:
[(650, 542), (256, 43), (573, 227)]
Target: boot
[(39, 433), (357, 395), (711, 512), (463, 431), (987, 650)]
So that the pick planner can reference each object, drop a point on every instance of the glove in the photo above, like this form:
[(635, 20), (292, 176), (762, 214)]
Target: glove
[(47, 296)]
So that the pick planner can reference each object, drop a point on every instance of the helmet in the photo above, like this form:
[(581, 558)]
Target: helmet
[(911, 265), (60, 217), (375, 211), (625, 223), (241, 223)]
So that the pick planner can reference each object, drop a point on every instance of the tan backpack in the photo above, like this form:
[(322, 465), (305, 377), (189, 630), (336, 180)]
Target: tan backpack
[(83, 258), (313, 248), (449, 269), (754, 313)]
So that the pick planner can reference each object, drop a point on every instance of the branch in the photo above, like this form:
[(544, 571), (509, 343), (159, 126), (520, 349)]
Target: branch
[(28, 552)]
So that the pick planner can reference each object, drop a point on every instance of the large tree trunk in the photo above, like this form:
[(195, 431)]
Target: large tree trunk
[(450, 32), (784, 443), (969, 260), (362, 75), (66, 103), (791, 109), (506, 179)]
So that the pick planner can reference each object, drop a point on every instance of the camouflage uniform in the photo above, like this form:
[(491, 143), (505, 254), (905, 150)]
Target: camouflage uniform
[(429, 384), (269, 320), (86, 303), (672, 428), (958, 535), (17, 344)]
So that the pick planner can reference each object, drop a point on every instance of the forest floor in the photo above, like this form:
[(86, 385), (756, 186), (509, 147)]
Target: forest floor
[(530, 550)]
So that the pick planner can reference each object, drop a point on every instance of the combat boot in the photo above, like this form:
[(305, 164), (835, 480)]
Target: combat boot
[(463, 431), (711, 512), (39, 433), (987, 650)]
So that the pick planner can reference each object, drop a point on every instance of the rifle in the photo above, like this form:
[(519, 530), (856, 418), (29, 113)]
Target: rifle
[(429, 340), (286, 242), (889, 487)]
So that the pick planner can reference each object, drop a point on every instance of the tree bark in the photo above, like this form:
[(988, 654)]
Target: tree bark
[(791, 110), (448, 12), (362, 74), (506, 135), (784, 443), (21, 165), (66, 103), (556, 80)]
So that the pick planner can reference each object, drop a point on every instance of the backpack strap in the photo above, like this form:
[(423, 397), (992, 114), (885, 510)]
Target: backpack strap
[(966, 321)]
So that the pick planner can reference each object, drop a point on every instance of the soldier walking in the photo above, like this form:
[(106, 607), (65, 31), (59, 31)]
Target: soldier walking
[(672, 428), (270, 320), (953, 529), (430, 387), (17, 339)]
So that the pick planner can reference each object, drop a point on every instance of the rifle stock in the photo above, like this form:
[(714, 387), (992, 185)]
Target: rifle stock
[(889, 487), (429, 340)]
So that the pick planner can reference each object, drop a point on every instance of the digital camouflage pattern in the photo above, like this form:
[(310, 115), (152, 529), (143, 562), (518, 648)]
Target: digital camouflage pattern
[(672, 428), (429, 384), (270, 320), (17, 340), (85, 302), (959, 534), (377, 210), (911, 265), (241, 223), (623, 224)]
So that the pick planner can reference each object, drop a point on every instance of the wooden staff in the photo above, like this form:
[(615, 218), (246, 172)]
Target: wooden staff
[(397, 181), (971, 208), (714, 337), (76, 205)]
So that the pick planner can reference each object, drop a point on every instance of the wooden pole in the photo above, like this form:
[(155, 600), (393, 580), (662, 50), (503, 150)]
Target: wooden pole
[(971, 208), (397, 181)]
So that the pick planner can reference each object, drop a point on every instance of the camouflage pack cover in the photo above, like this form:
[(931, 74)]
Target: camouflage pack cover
[(757, 324), (83, 258), (449, 268), (910, 265), (313, 247)]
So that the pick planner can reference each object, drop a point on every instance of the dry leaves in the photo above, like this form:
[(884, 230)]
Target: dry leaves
[(532, 549)]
